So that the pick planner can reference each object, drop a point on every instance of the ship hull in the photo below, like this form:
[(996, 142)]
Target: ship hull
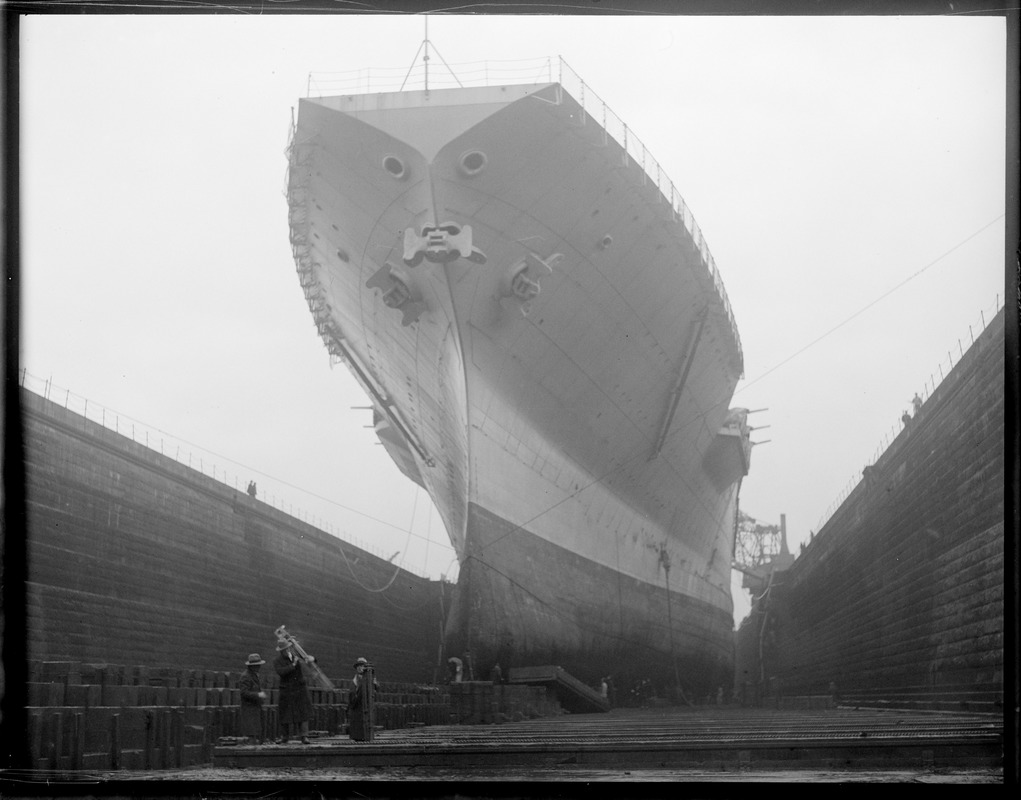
[(523, 600), (548, 354)]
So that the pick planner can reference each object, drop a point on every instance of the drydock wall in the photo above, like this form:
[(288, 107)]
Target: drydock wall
[(899, 597), (136, 559)]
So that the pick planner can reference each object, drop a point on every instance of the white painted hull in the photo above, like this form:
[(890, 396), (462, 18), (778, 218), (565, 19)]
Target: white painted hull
[(580, 422)]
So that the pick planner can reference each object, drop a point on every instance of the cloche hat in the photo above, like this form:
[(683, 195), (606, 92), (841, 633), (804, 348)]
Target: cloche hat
[(359, 662), (254, 658)]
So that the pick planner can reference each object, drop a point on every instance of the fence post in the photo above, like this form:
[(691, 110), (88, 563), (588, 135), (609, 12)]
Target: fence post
[(178, 723), (207, 736), (150, 739), (164, 738), (115, 742), (78, 743), (56, 748)]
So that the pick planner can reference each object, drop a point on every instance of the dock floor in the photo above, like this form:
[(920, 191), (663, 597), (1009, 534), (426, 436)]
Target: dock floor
[(629, 741)]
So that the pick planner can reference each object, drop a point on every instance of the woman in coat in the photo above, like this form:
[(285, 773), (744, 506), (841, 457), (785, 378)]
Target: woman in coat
[(252, 696), (295, 704)]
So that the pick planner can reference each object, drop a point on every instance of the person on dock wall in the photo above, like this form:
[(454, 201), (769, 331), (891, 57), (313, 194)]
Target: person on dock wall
[(358, 700), (252, 697), (295, 703)]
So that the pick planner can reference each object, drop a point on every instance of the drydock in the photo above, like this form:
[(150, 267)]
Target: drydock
[(936, 651)]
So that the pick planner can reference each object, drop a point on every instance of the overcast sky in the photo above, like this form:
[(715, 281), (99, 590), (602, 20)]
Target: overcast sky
[(841, 169)]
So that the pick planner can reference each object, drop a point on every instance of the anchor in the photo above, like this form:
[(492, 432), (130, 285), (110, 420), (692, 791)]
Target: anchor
[(521, 281), (440, 244), (397, 293)]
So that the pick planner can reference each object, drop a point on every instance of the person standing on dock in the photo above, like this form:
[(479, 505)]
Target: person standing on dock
[(454, 669), (360, 706), (295, 703), (252, 697)]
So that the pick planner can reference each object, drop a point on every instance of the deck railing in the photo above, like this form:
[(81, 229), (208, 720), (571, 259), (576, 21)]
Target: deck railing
[(546, 70)]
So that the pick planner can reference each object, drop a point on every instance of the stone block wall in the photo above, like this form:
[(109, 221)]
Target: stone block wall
[(135, 558), (110, 717), (899, 598)]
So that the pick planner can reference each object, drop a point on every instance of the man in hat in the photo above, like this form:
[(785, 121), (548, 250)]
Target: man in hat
[(357, 701), (252, 697), (295, 707)]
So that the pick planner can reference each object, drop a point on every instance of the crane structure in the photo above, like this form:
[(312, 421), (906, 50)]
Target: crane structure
[(759, 550)]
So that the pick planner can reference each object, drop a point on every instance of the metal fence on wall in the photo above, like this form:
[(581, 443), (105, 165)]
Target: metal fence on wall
[(274, 492), (935, 378)]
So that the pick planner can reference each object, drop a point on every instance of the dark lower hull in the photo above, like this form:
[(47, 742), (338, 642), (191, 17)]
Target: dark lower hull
[(522, 601)]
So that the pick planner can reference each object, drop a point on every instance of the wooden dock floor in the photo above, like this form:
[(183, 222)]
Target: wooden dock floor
[(708, 738)]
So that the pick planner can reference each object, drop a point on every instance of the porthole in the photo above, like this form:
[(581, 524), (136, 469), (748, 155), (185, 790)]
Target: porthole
[(395, 167), (472, 163)]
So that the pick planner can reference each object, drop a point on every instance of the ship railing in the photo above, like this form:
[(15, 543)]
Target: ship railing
[(371, 80), (636, 151), (929, 387), (318, 511), (525, 71)]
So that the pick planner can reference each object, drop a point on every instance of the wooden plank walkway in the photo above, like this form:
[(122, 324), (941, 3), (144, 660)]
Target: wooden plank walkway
[(655, 738)]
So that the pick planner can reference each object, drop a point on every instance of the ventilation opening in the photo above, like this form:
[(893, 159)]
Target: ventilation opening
[(394, 166), (473, 162)]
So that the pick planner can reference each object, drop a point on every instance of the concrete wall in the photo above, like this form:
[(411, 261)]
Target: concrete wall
[(900, 596), (137, 559)]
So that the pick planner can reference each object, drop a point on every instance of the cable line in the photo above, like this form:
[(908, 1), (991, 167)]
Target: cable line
[(865, 308)]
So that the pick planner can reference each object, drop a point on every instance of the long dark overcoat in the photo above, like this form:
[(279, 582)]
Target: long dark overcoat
[(295, 703), (250, 718), (356, 706)]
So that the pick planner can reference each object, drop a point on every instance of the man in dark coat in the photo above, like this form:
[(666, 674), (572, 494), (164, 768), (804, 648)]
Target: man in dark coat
[(295, 704), (252, 696), (357, 701)]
